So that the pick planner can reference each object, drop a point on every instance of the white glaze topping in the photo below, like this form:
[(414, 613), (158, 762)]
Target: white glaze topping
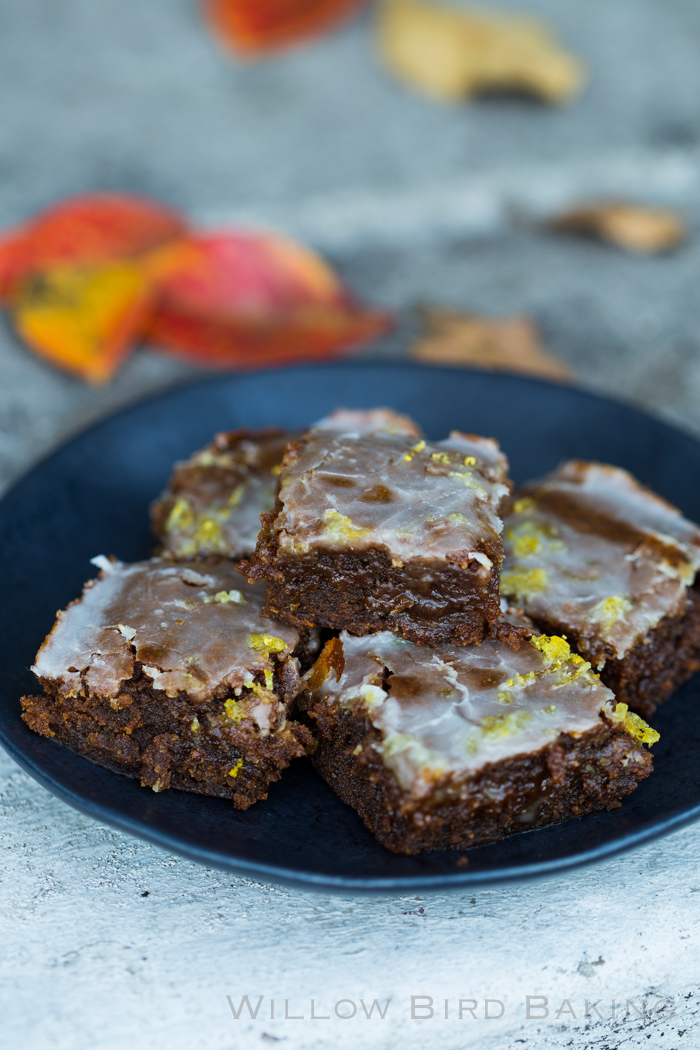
[(352, 490), (369, 421), (591, 550), (450, 711), (195, 629)]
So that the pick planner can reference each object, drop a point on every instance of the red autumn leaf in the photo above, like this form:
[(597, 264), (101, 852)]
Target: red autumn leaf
[(75, 282), (256, 26), (95, 228), (247, 300), (9, 247)]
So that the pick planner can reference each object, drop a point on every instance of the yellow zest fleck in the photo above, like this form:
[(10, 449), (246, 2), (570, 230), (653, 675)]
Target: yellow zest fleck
[(554, 649), (635, 726), (236, 769), (518, 682), (559, 658), (340, 528), (235, 496), (259, 690), (195, 727), (458, 519), (416, 448), (609, 610), (208, 532), (200, 530), (276, 470), (440, 457), (526, 505), (503, 725), (266, 644), (522, 583), (529, 538), (234, 709), (469, 461), (268, 679), (180, 516), (467, 478)]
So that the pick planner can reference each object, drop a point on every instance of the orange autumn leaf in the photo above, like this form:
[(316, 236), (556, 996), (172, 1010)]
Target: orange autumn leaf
[(256, 26), (83, 319), (94, 228), (74, 280), (247, 300)]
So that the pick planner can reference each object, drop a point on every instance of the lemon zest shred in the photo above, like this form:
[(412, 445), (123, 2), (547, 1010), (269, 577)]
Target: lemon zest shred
[(635, 726), (522, 583)]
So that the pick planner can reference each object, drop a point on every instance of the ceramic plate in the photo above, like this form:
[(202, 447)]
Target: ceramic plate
[(92, 497)]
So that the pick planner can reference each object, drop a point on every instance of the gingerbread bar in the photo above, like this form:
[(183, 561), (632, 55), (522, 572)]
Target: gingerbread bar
[(592, 554), (376, 531), (213, 501), (455, 747), (164, 672)]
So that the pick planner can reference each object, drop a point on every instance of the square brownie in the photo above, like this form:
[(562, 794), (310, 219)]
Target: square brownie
[(376, 531), (213, 501), (164, 672), (455, 747), (594, 555)]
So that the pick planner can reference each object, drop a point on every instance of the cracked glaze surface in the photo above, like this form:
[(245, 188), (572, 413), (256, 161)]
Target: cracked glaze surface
[(592, 551), (352, 490), (193, 629), (453, 710)]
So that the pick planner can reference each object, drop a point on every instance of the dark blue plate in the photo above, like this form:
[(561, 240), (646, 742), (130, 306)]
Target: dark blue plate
[(92, 497)]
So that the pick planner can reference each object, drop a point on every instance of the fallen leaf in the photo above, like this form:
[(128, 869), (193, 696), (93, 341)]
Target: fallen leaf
[(257, 26), (94, 228), (454, 53), (9, 247), (75, 283), (247, 300), (87, 279), (630, 226), (510, 345), (83, 320)]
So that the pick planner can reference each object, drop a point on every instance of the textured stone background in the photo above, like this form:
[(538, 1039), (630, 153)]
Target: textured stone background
[(413, 202)]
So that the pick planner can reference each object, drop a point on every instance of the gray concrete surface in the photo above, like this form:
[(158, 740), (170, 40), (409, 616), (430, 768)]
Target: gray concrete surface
[(414, 203)]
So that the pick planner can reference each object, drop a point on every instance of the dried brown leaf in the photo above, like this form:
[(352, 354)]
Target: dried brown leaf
[(630, 226), (452, 54), (509, 345)]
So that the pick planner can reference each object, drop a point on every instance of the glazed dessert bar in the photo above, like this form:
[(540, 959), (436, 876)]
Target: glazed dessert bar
[(214, 500), (454, 747), (165, 672), (592, 554), (376, 531)]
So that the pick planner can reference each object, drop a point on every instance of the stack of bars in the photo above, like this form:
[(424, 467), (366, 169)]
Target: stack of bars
[(449, 696)]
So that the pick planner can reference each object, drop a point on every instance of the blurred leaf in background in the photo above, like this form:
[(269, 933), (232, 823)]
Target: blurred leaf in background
[(242, 299), (633, 227), (454, 53), (90, 277), (255, 27), (497, 345)]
